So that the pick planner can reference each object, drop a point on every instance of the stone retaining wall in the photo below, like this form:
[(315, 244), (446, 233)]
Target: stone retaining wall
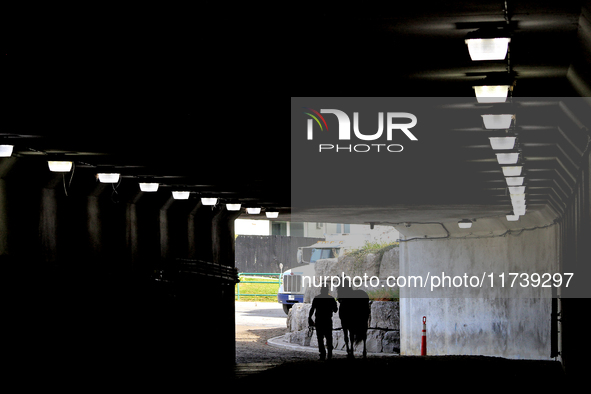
[(371, 265), (383, 335)]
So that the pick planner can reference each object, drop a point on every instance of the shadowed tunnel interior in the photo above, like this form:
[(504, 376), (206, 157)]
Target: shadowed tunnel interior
[(184, 98)]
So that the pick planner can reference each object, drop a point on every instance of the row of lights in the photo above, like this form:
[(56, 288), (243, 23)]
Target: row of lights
[(480, 48), (66, 166), (496, 48)]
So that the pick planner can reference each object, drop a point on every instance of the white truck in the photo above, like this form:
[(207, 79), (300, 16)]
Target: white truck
[(292, 289)]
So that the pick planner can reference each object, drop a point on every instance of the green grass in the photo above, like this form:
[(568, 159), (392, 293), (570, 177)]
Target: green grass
[(257, 288)]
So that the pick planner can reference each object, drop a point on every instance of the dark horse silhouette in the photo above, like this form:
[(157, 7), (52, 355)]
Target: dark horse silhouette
[(354, 313)]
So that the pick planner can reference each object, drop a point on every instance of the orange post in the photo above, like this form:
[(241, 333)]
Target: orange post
[(424, 338)]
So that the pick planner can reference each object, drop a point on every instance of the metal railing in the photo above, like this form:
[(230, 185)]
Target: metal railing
[(254, 274)]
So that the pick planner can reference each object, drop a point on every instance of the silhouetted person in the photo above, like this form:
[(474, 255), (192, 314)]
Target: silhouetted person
[(324, 305), (354, 311)]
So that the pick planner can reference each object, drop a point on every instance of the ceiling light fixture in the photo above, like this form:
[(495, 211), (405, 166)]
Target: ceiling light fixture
[(498, 121), (177, 195), (514, 180), (6, 150), (488, 44), (488, 48), (518, 203), (517, 196), (272, 214), (233, 207), (59, 166), (208, 201), (108, 177), (149, 186), (253, 211), (507, 158), (519, 210), (502, 143), (491, 94), (465, 223), (512, 170), (516, 189)]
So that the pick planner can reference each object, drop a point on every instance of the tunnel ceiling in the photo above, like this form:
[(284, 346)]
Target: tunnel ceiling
[(194, 111), (418, 50)]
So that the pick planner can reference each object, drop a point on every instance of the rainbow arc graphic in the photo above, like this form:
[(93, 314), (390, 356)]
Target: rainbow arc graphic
[(316, 119)]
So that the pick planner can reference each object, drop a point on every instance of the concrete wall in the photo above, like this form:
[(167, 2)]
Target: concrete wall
[(492, 321), (81, 266)]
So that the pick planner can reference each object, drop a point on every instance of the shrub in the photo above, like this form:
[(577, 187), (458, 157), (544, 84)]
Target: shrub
[(384, 294), (371, 247)]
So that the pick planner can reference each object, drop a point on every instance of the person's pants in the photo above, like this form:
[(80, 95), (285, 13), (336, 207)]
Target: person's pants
[(321, 333)]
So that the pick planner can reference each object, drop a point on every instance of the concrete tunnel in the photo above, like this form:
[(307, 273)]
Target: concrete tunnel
[(97, 271), (110, 270)]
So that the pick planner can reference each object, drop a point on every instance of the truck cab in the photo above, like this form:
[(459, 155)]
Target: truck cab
[(292, 289)]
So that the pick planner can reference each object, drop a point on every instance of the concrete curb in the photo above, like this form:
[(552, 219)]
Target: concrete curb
[(280, 343)]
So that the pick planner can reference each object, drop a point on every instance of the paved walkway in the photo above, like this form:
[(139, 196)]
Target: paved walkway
[(260, 314)]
